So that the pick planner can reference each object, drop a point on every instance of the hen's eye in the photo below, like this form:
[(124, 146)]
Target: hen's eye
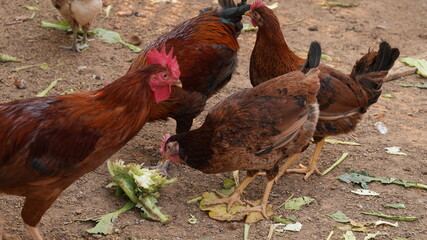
[(164, 75)]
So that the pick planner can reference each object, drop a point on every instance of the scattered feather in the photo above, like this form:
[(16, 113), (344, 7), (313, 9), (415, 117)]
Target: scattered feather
[(381, 127), (394, 151)]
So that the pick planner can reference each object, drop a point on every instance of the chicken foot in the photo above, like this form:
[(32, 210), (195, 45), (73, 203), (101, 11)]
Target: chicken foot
[(75, 47), (262, 206), (235, 196), (34, 232), (312, 166)]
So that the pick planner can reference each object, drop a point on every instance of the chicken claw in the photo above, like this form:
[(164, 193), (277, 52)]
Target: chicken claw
[(307, 170), (229, 200), (75, 48)]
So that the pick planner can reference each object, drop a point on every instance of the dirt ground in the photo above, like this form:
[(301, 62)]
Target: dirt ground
[(345, 34)]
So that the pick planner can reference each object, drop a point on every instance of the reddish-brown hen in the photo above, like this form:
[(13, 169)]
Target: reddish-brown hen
[(206, 48), (48, 143), (254, 129), (343, 99)]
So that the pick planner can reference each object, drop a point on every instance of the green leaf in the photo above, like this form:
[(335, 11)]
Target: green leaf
[(349, 235), (395, 205), (326, 57), (105, 223), (51, 85), (63, 26), (406, 84), (7, 58), (339, 217), (44, 66), (420, 64), (338, 4), (365, 192), (296, 203), (362, 178), (113, 37), (421, 85), (397, 218), (293, 227), (280, 220), (228, 183)]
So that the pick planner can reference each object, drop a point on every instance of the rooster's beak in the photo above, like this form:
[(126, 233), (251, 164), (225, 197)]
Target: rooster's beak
[(177, 83), (165, 157)]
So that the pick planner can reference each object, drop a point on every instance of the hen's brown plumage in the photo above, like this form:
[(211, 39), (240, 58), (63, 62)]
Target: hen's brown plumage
[(254, 129), (48, 143), (342, 98), (206, 47)]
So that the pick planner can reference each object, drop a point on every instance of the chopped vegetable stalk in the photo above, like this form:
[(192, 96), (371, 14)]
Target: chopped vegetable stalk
[(378, 214), (338, 162), (141, 186), (105, 223), (51, 85), (7, 58)]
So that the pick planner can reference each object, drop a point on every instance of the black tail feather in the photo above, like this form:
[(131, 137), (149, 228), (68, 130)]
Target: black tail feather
[(313, 57), (385, 58)]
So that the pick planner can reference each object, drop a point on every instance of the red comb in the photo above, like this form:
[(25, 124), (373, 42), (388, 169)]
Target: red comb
[(257, 4), (164, 59), (162, 145)]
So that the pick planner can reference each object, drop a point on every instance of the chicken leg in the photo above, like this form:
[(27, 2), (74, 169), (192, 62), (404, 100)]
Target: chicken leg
[(74, 47), (312, 166), (285, 166), (262, 206), (34, 232), (235, 196)]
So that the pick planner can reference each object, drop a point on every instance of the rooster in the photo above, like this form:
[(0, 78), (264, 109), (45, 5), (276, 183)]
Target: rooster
[(79, 14), (253, 130), (342, 98), (48, 143), (206, 47)]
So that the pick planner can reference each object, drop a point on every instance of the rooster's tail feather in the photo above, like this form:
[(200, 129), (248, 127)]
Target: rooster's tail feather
[(372, 68), (313, 57)]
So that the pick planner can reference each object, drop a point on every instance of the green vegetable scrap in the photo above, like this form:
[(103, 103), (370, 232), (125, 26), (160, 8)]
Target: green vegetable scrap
[(395, 205), (51, 85), (397, 218), (326, 57), (362, 178), (339, 217), (349, 235), (338, 4), (420, 64), (141, 186), (296, 203), (7, 58), (114, 37), (63, 26), (105, 223)]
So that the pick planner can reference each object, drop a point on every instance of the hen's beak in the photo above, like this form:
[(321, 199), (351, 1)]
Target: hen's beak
[(165, 157), (248, 14), (177, 83)]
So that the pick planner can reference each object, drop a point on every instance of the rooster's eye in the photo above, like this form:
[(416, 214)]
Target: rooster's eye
[(164, 75)]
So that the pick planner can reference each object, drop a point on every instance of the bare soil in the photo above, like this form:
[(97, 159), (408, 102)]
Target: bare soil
[(345, 34)]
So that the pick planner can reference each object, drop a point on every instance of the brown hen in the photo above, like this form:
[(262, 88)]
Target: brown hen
[(342, 98), (254, 129)]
